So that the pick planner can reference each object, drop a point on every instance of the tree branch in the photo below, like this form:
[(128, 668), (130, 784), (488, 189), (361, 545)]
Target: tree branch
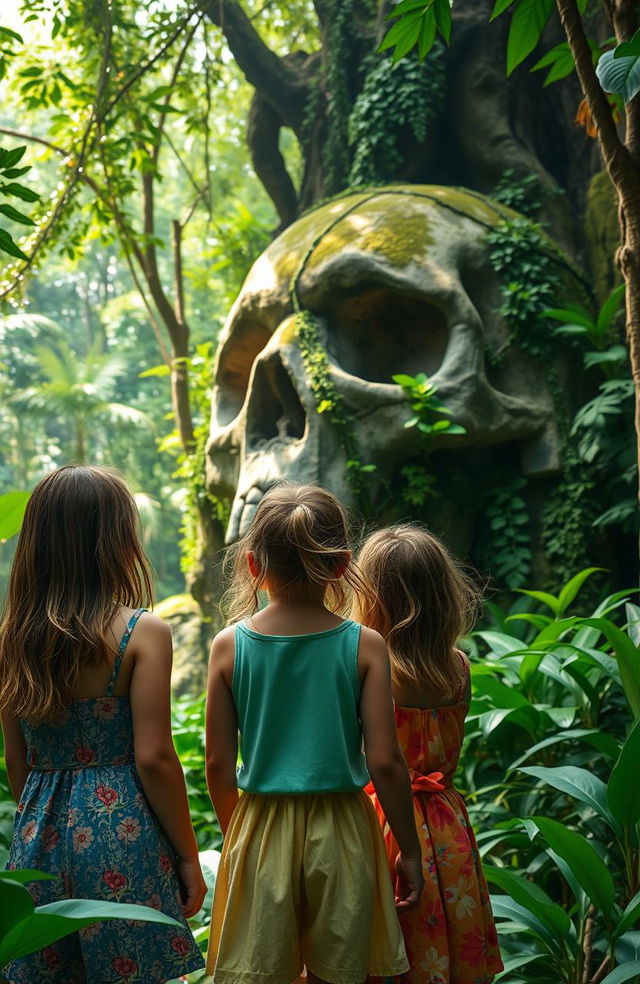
[(162, 118), (147, 65), (179, 334), (277, 80), (19, 135), (78, 165), (263, 133)]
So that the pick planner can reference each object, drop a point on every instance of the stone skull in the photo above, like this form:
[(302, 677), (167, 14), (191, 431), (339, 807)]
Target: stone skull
[(400, 281)]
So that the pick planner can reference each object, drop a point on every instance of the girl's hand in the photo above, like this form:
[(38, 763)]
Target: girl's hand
[(409, 882), (193, 886)]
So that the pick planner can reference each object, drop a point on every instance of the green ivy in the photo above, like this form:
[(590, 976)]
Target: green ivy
[(526, 195), (335, 152), (568, 518), (509, 553), (395, 97), (519, 252), (329, 401), (419, 485)]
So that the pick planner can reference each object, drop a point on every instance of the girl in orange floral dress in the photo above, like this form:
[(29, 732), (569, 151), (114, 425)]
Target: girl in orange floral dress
[(422, 603)]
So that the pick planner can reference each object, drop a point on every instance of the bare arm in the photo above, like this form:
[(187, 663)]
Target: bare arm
[(15, 754), (156, 760), (222, 729), (386, 764)]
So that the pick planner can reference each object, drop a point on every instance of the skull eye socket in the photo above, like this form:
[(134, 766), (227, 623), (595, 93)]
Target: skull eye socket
[(234, 368), (380, 332)]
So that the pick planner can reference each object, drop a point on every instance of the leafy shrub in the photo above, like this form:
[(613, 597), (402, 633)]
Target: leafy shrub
[(549, 769)]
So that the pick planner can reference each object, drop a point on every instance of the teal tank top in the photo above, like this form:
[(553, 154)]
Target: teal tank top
[(298, 700)]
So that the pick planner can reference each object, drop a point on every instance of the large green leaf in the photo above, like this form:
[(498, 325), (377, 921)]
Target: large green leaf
[(577, 783), (24, 875), (533, 898), (629, 971), (49, 923), (499, 8), (500, 643), (514, 963), (588, 867), (571, 880), (15, 905), (552, 631), (628, 656), (547, 599), (601, 740), (527, 24), (523, 717), (623, 790), (500, 694), (12, 507), (630, 916), (619, 75), (504, 907), (572, 587)]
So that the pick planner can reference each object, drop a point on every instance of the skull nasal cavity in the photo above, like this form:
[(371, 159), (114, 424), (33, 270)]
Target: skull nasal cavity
[(274, 409), (380, 332)]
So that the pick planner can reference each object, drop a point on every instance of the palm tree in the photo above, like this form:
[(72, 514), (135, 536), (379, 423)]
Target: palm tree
[(78, 390)]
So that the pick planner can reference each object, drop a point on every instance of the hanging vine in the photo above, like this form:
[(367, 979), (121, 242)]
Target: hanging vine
[(396, 98)]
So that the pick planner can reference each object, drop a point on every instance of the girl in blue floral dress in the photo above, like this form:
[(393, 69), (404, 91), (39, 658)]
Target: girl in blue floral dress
[(85, 704)]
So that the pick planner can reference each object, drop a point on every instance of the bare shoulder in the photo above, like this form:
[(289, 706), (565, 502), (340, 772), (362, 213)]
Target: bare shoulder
[(223, 650), (151, 641), (372, 648), (151, 627)]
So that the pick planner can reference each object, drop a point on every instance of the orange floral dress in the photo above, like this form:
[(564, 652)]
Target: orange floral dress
[(450, 937)]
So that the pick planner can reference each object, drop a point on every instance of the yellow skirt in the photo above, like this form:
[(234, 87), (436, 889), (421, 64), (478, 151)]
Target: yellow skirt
[(304, 880)]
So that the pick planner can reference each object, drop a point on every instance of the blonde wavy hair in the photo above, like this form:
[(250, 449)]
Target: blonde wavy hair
[(299, 534), (78, 559), (418, 597)]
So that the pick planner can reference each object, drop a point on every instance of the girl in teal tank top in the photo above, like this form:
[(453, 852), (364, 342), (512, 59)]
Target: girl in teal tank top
[(299, 691)]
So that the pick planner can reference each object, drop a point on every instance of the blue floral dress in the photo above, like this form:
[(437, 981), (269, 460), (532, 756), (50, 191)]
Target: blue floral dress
[(83, 816)]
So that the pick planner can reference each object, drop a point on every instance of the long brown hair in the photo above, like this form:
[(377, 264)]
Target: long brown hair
[(77, 560), (418, 597), (298, 534)]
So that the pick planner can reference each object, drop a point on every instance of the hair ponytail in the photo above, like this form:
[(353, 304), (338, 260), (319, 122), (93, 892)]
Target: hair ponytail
[(298, 534)]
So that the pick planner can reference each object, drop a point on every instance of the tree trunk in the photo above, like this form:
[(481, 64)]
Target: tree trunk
[(629, 259), (622, 160)]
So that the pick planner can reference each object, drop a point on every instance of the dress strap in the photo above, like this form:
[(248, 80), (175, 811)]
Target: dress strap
[(131, 624)]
